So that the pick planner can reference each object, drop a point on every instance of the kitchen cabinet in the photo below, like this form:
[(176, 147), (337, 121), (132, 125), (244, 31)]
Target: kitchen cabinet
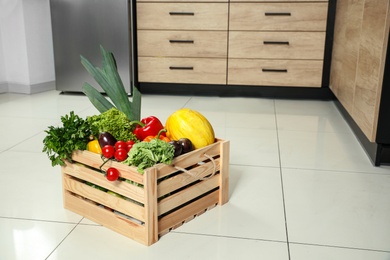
[(277, 44), (360, 72), (234, 44), (182, 42)]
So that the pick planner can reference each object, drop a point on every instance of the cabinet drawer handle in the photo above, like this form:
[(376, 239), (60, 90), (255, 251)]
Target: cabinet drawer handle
[(181, 41), (180, 68), (277, 14), (276, 42), (275, 70), (181, 13)]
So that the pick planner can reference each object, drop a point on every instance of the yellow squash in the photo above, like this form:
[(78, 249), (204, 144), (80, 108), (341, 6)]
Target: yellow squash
[(187, 123)]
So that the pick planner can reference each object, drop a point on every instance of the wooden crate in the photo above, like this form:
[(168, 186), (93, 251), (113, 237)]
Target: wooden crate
[(149, 205)]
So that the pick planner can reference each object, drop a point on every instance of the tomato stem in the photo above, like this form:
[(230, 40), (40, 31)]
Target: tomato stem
[(104, 162)]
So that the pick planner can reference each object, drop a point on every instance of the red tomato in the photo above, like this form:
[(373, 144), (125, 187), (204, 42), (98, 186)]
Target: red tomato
[(120, 145), (130, 142), (108, 151), (129, 145), (112, 174), (121, 154)]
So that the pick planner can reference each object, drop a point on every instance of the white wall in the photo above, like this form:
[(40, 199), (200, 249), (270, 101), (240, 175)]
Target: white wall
[(37, 23), (25, 28), (3, 85)]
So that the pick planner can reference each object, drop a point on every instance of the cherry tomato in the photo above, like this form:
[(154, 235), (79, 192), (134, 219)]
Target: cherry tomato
[(121, 154), (129, 145), (108, 151), (112, 174), (130, 142), (120, 145)]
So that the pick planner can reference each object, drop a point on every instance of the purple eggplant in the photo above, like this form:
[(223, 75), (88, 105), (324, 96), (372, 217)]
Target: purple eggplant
[(105, 138)]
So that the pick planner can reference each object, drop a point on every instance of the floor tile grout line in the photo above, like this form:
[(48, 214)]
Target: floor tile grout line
[(281, 183), (24, 140), (341, 247), (39, 220), (188, 101), (231, 237), (335, 170), (76, 224)]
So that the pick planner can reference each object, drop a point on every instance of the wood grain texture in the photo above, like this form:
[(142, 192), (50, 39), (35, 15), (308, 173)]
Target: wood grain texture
[(205, 70), (285, 1), (302, 73), (304, 16), (359, 49), (194, 44), (277, 45), (185, 1), (206, 16)]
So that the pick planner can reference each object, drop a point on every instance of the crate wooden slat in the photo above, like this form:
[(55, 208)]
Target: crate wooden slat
[(146, 206)]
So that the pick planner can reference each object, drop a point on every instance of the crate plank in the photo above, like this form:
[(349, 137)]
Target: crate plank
[(187, 212), (84, 173), (94, 160), (187, 194), (105, 217), (181, 180), (103, 198)]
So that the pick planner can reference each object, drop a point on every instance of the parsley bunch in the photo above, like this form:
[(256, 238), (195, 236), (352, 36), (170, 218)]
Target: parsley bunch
[(60, 142)]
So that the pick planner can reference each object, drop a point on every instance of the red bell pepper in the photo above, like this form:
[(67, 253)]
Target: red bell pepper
[(148, 126)]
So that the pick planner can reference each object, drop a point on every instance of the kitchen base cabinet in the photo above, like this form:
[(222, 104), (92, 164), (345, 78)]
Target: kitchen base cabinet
[(236, 47), (360, 73)]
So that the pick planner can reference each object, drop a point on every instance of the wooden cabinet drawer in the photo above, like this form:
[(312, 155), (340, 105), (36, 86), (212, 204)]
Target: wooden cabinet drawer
[(182, 43), (295, 73), (182, 1), (182, 70), (182, 16), (277, 45), (259, 1), (278, 16)]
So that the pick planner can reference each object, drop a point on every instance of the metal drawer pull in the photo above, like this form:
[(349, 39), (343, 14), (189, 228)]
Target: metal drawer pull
[(276, 42), (181, 13), (181, 41), (180, 68), (275, 70), (277, 14)]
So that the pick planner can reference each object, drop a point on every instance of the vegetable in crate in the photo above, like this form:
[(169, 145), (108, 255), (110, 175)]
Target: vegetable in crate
[(114, 122), (106, 138), (187, 123), (110, 81), (94, 146), (149, 126), (60, 142), (146, 154), (158, 136)]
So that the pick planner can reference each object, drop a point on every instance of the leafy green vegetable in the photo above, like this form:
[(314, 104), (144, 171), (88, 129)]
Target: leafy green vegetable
[(147, 154), (110, 81), (115, 122), (60, 142)]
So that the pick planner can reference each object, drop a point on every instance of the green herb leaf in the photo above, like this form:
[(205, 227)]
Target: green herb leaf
[(60, 142)]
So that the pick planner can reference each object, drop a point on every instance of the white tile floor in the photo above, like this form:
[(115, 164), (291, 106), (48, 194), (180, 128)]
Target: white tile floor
[(301, 188)]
